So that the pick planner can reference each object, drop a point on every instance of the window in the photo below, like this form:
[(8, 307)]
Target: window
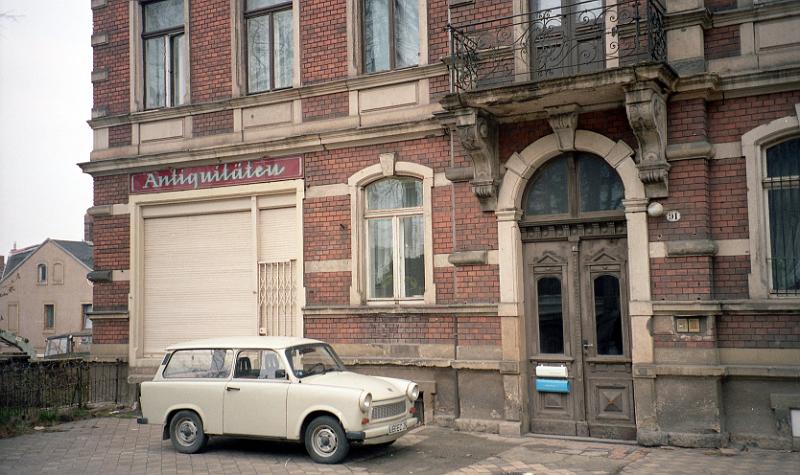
[(390, 34), (49, 316), (86, 309), (259, 364), (269, 44), (781, 184), (165, 57), (574, 185), (395, 239), (41, 273), (214, 364)]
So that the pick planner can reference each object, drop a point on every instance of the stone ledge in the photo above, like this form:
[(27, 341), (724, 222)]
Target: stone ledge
[(97, 315), (346, 311), (99, 39), (716, 371), (693, 247), (99, 75), (468, 258), (690, 150), (458, 174), (97, 4), (478, 365)]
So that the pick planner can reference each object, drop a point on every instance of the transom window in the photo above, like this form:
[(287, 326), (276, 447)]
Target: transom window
[(395, 239), (270, 48), (574, 185), (390, 34), (164, 53), (781, 184)]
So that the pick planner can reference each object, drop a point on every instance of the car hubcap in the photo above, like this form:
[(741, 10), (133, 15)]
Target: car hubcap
[(325, 441), (187, 432)]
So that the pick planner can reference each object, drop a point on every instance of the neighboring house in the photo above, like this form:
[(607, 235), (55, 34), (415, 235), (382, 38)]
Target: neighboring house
[(44, 290), (494, 198)]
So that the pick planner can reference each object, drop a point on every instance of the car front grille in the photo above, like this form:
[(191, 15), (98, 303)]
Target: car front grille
[(388, 410)]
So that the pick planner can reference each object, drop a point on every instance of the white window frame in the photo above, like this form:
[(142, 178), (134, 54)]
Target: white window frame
[(355, 48), (357, 183), (39, 279), (136, 59), (754, 148)]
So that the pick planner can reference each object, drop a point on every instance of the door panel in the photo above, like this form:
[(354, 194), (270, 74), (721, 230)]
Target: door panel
[(256, 408), (596, 348)]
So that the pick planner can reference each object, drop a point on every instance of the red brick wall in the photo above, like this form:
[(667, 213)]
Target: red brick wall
[(220, 122), (110, 331), (730, 277), (119, 135), (335, 166), (112, 242), (406, 329), (326, 107), (681, 340), (728, 205), (210, 66), (323, 40), (758, 331), (689, 194), (474, 229), (114, 92), (722, 42), (686, 121), (445, 284), (110, 295), (111, 189), (477, 284), (682, 278), (326, 224), (328, 288), (731, 118)]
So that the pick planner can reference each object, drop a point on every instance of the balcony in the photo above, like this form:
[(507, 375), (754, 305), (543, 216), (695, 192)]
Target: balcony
[(563, 42)]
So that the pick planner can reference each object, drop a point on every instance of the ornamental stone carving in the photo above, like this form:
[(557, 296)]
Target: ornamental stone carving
[(564, 121), (478, 137), (647, 114)]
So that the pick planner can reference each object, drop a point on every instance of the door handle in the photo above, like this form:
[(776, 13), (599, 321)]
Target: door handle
[(587, 345), (232, 388)]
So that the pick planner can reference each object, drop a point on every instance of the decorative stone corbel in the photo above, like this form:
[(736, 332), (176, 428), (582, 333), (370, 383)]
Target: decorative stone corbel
[(478, 136), (646, 106), (564, 121)]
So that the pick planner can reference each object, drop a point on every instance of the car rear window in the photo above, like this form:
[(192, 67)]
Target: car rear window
[(199, 364)]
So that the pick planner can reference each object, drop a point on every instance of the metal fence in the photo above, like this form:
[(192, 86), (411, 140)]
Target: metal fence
[(582, 37), (27, 386)]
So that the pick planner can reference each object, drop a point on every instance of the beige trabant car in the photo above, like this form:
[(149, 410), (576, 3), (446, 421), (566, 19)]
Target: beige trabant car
[(276, 388)]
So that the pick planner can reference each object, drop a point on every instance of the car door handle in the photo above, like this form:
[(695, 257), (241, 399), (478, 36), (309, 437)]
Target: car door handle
[(232, 388)]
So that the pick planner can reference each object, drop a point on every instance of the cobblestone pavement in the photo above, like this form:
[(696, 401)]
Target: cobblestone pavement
[(120, 446)]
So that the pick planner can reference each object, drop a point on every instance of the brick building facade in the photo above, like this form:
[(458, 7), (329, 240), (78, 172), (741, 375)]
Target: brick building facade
[(603, 193)]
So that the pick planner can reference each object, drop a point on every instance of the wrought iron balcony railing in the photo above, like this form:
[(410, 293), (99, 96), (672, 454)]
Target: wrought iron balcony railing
[(577, 37)]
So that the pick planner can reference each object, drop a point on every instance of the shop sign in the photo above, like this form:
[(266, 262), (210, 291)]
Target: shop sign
[(223, 174)]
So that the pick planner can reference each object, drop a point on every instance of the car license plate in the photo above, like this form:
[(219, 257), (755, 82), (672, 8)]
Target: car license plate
[(397, 428)]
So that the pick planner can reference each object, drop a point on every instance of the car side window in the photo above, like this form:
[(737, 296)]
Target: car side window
[(214, 364), (259, 364)]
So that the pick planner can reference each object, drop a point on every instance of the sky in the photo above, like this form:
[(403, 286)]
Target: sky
[(45, 101)]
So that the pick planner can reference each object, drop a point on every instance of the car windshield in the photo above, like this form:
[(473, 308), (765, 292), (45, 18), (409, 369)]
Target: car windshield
[(317, 358)]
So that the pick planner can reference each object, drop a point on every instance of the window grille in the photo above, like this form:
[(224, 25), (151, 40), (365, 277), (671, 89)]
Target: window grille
[(277, 298)]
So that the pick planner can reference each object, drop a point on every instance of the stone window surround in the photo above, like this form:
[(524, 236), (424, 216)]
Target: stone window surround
[(754, 146), (356, 183), (39, 280), (354, 47), (136, 55), (239, 49)]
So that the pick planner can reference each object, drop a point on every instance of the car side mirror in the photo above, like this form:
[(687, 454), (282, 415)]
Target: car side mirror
[(280, 374)]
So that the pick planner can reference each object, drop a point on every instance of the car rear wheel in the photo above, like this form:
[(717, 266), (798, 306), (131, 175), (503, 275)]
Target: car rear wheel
[(186, 432), (326, 441)]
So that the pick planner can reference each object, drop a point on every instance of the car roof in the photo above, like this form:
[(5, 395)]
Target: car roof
[(258, 342)]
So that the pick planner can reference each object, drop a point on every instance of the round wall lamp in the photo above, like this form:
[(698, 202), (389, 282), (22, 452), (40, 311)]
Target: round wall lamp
[(655, 210)]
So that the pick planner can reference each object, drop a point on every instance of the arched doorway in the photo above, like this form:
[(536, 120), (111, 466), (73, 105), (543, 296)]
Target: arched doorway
[(575, 253)]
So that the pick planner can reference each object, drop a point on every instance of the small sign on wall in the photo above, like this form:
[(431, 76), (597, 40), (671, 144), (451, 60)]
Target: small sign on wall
[(673, 216), (552, 385)]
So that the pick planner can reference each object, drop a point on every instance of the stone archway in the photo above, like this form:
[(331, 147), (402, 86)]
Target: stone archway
[(519, 169)]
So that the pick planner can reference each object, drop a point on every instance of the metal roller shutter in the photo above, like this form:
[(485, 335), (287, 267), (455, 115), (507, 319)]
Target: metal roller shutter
[(198, 278)]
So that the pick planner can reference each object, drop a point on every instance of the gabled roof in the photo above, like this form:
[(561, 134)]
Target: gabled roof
[(79, 250)]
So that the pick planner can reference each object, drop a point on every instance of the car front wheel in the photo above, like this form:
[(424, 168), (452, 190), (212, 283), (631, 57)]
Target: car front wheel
[(186, 432), (326, 441)]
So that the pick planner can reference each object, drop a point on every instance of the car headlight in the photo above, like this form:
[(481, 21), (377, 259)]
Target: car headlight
[(365, 401), (412, 392)]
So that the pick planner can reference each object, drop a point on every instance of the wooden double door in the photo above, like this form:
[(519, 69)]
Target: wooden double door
[(577, 316)]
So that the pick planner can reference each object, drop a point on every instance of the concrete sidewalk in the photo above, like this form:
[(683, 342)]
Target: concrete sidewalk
[(120, 446)]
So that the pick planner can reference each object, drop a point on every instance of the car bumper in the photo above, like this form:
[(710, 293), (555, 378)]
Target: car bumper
[(380, 434)]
